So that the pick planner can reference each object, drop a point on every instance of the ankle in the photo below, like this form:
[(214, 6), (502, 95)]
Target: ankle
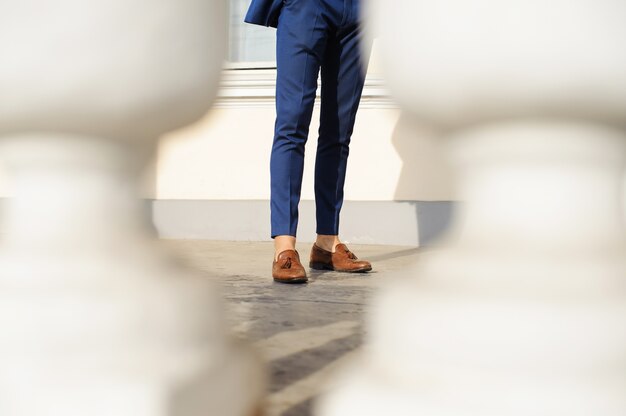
[(282, 243), (327, 242)]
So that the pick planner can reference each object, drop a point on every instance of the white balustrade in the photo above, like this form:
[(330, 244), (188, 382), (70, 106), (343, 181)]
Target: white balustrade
[(521, 310), (95, 318)]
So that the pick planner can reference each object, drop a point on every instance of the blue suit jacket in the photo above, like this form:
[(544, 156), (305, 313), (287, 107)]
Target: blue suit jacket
[(264, 12)]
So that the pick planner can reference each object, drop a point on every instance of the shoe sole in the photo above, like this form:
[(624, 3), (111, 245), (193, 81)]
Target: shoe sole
[(324, 266), (292, 281)]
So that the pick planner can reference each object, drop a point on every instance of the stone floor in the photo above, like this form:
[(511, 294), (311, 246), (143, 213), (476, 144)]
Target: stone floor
[(305, 332)]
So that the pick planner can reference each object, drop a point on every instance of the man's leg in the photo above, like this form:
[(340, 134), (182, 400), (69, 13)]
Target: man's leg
[(343, 76), (301, 39), (342, 84)]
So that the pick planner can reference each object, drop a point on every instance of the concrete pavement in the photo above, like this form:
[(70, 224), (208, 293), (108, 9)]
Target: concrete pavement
[(304, 332)]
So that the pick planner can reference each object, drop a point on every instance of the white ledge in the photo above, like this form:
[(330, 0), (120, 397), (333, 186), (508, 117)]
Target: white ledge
[(257, 88)]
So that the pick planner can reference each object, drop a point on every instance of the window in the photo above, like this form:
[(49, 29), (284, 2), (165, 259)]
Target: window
[(251, 46)]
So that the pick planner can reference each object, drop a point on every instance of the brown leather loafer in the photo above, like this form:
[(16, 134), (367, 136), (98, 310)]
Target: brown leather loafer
[(288, 269), (342, 260)]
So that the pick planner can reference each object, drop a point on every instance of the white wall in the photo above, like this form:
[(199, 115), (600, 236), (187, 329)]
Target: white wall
[(226, 156)]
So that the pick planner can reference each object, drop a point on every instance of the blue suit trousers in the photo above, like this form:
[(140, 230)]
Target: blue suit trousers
[(314, 36)]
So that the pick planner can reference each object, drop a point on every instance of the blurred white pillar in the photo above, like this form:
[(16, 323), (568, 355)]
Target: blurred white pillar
[(96, 319), (521, 310)]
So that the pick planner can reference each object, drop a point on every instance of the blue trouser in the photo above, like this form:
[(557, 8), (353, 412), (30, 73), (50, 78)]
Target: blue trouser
[(314, 34)]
